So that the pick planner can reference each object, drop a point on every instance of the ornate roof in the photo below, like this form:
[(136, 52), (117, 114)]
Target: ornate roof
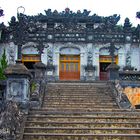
[(69, 26)]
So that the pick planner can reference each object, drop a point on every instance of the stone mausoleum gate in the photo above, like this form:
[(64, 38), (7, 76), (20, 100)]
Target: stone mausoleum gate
[(71, 43)]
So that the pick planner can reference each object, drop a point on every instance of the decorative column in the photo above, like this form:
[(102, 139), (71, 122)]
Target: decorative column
[(96, 62), (128, 40), (90, 69), (128, 55), (82, 69), (50, 69), (18, 82), (56, 64)]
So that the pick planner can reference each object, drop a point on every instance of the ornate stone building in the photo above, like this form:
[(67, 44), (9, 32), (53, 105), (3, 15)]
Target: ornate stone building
[(74, 46)]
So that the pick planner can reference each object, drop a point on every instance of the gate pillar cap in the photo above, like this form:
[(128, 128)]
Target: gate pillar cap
[(17, 69), (39, 65), (113, 66)]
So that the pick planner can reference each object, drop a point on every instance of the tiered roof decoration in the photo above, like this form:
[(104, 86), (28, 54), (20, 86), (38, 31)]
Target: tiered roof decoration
[(69, 26)]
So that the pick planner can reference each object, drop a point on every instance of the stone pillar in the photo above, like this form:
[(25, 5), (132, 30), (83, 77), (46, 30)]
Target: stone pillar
[(82, 68), (128, 55), (18, 88), (113, 71), (50, 69), (90, 73), (56, 64), (96, 62)]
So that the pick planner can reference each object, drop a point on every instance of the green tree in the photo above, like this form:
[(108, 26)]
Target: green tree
[(3, 65)]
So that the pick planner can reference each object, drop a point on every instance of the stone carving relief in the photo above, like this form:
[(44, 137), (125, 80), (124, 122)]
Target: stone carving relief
[(11, 58), (11, 52), (15, 89), (50, 56), (89, 57), (70, 27), (128, 59)]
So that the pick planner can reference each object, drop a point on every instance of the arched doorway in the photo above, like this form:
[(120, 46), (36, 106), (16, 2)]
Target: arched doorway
[(30, 56), (69, 67)]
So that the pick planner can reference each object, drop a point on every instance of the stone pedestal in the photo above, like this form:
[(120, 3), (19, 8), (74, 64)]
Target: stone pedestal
[(90, 73), (113, 71), (50, 73), (18, 89)]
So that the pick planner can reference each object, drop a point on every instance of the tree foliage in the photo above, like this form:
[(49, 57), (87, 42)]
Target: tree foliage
[(3, 65)]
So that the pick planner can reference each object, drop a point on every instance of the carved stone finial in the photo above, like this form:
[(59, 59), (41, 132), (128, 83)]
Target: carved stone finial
[(127, 25), (1, 12), (138, 14)]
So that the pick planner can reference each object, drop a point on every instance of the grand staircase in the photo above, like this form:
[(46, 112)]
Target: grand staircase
[(81, 111)]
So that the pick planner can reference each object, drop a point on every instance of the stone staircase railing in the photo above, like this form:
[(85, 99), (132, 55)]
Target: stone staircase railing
[(121, 99), (129, 75), (37, 93)]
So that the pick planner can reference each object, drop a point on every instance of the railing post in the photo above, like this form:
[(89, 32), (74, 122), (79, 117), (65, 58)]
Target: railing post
[(113, 71)]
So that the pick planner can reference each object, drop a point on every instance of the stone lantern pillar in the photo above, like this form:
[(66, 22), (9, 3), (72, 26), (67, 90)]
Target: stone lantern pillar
[(113, 71), (40, 71), (18, 85)]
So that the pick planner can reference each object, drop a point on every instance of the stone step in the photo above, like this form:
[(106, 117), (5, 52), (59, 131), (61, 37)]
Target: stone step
[(83, 91), (66, 106), (94, 100), (72, 110), (72, 88), (89, 136), (71, 103), (84, 130), (83, 88), (78, 102), (78, 96), (94, 111), (84, 119), (90, 105), (77, 91), (97, 83), (82, 124), (71, 91)]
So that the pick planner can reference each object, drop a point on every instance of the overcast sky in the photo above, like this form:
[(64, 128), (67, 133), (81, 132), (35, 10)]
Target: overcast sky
[(126, 8)]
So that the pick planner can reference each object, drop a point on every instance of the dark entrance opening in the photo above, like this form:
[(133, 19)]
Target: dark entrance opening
[(29, 65), (103, 72)]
